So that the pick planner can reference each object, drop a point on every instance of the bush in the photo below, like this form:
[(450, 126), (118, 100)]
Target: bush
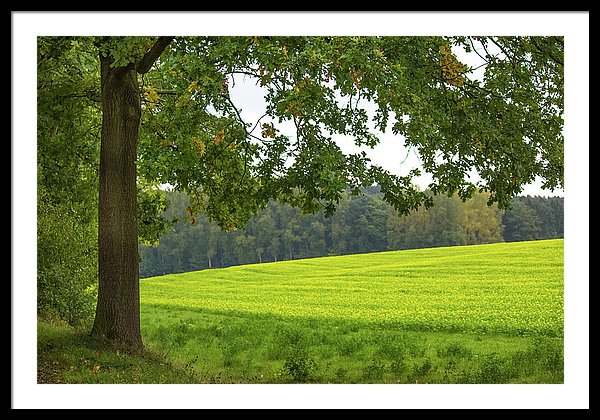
[(299, 366), (67, 265)]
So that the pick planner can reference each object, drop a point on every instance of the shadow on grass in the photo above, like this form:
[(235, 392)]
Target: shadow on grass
[(67, 354)]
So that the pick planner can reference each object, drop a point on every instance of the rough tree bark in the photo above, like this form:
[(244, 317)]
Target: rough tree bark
[(118, 308)]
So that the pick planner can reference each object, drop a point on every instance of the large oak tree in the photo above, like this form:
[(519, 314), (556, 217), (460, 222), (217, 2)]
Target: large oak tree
[(168, 117)]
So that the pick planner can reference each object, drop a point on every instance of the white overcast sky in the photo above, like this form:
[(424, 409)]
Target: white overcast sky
[(26, 26)]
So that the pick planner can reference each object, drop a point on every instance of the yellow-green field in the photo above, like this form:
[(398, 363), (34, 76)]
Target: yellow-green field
[(479, 313)]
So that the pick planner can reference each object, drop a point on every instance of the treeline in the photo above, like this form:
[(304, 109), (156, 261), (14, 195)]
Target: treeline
[(361, 224)]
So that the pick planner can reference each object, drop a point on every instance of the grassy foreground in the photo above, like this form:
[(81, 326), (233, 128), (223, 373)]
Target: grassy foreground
[(472, 314), (69, 355)]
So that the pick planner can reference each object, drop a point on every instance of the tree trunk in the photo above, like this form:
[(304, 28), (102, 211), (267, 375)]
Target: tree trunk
[(118, 307)]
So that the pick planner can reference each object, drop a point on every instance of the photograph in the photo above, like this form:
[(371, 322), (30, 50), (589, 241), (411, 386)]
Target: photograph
[(300, 210)]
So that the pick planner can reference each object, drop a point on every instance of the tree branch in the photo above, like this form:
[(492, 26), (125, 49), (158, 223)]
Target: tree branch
[(477, 52), (547, 52), (145, 64), (166, 91)]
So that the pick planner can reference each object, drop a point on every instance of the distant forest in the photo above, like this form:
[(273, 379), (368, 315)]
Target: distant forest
[(361, 224)]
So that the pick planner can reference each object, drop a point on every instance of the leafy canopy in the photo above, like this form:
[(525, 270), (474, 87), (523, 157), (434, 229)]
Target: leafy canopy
[(505, 126)]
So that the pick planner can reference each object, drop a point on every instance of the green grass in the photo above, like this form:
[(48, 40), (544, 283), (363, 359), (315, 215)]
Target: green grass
[(473, 314), (69, 355)]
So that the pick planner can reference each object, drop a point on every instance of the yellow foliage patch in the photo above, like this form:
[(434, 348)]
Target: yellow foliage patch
[(220, 136), (199, 146), (151, 96), (451, 68)]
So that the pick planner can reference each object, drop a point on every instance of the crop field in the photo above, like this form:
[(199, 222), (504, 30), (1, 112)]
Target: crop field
[(469, 314)]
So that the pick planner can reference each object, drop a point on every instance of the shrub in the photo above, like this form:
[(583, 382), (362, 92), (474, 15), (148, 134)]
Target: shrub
[(299, 366), (67, 265)]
